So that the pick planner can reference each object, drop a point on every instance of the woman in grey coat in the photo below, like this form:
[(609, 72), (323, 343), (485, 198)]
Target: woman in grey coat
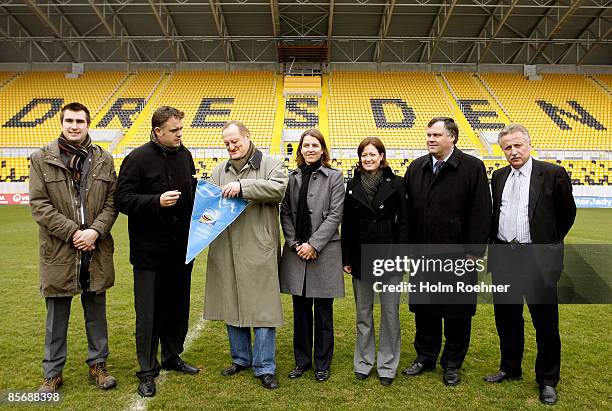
[(311, 265)]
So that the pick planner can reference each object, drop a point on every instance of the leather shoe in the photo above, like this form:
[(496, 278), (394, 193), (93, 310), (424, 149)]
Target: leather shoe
[(417, 368), (322, 375), (233, 369), (360, 376), (451, 376), (268, 381), (500, 376), (182, 366), (297, 372), (385, 381), (548, 395), (146, 388)]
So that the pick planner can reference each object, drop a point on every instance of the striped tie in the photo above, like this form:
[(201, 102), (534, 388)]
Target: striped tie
[(438, 167), (513, 205)]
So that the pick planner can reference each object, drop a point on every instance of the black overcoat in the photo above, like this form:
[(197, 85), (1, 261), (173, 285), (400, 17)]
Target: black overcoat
[(383, 221), (453, 207), (158, 235)]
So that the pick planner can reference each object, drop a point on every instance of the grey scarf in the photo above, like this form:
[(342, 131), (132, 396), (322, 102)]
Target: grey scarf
[(370, 182)]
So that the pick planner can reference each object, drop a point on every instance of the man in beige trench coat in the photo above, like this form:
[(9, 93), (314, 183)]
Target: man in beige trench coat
[(242, 287)]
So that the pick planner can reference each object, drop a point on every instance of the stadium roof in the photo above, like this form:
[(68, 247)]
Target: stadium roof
[(575, 32)]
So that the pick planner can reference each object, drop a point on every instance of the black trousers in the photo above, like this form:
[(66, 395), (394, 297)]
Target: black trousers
[(519, 270), (545, 318), (161, 300), (428, 339), (323, 332)]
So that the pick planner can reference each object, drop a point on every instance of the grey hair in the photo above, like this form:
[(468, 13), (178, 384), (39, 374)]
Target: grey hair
[(242, 129), (512, 128)]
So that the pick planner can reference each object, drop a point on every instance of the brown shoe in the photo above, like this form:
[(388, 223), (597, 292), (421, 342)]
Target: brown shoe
[(100, 376), (51, 384)]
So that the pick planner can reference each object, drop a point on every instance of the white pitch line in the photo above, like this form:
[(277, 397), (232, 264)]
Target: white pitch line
[(139, 403), (585, 239)]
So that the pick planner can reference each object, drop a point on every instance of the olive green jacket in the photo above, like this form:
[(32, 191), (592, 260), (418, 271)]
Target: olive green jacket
[(54, 206)]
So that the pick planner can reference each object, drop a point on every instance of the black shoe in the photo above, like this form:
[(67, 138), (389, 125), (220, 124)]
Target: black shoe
[(297, 372), (182, 366), (385, 381), (548, 395), (146, 388), (361, 376), (417, 368), (269, 381), (233, 369), (451, 376), (500, 376), (322, 375)]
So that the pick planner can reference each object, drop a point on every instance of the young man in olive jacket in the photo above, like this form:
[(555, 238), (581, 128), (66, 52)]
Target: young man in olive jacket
[(155, 190), (72, 183)]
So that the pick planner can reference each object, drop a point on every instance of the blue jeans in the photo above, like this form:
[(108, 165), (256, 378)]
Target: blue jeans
[(261, 355)]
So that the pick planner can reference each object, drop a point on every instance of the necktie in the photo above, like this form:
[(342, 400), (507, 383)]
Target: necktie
[(438, 167), (513, 205)]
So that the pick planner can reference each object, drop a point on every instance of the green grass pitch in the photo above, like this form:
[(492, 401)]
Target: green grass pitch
[(585, 333)]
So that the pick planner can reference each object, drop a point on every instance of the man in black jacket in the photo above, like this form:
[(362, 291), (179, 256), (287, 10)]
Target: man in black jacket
[(533, 210), (156, 189), (450, 208)]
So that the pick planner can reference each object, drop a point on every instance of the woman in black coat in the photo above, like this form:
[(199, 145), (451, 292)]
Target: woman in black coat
[(375, 212)]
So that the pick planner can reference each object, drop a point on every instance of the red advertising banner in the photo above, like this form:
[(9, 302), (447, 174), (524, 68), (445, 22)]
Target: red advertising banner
[(16, 198)]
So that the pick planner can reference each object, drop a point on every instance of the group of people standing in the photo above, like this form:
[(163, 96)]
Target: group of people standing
[(444, 198)]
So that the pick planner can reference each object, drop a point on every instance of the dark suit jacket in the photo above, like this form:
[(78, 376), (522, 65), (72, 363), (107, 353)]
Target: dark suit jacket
[(551, 214), (453, 207)]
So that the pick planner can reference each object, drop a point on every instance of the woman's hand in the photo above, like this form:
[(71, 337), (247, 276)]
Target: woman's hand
[(306, 252)]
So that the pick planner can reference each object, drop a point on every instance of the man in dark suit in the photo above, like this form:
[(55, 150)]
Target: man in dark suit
[(449, 204), (533, 210)]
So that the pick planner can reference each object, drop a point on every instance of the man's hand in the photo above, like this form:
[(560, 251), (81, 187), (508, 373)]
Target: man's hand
[(169, 198), (306, 252), (231, 190), (85, 240)]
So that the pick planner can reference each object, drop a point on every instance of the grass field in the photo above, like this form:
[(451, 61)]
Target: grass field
[(585, 332)]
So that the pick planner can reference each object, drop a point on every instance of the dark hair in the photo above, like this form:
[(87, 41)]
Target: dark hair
[(380, 147), (313, 132), (76, 107), (449, 125), (163, 113), (242, 129)]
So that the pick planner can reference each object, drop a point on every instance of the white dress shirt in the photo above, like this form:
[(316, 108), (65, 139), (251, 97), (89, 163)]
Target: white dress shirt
[(433, 159), (514, 222)]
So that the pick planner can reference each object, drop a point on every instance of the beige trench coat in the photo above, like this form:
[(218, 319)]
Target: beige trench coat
[(242, 287)]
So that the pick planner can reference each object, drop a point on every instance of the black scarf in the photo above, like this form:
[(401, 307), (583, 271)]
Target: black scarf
[(303, 228), (370, 182), (77, 154)]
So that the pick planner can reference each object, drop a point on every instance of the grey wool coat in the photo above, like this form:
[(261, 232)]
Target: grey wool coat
[(323, 276), (242, 271)]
